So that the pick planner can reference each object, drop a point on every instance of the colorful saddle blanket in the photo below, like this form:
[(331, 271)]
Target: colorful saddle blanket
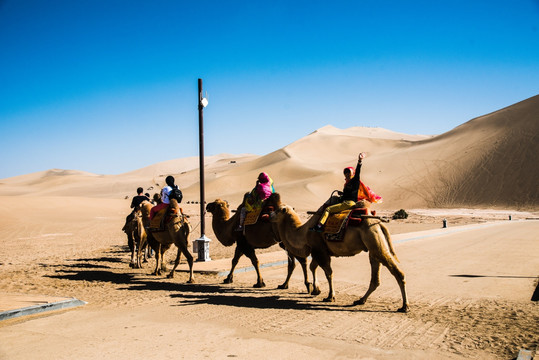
[(337, 223), (161, 218), (262, 214)]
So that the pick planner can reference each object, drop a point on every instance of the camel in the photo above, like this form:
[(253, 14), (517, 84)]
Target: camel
[(129, 229), (138, 240), (176, 232), (256, 236), (371, 235)]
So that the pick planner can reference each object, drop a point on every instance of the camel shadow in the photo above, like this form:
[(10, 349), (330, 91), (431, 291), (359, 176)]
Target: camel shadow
[(194, 294), (101, 259), (252, 302), (208, 294), (93, 275), (77, 266), (243, 298), (119, 249)]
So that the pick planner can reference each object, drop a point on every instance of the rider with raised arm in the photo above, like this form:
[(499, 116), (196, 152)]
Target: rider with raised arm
[(353, 191)]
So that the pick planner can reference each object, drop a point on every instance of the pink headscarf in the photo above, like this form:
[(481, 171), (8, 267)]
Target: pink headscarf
[(265, 186)]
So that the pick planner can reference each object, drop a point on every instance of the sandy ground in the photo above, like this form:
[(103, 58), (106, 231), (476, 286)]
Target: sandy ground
[(469, 292)]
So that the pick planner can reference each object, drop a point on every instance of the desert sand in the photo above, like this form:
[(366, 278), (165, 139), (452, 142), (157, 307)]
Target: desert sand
[(470, 287)]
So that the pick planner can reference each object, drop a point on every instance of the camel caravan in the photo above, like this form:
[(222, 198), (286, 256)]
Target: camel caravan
[(343, 226)]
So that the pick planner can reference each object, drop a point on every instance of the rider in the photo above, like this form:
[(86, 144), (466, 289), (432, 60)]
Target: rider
[(353, 191), (165, 192), (137, 200), (253, 200)]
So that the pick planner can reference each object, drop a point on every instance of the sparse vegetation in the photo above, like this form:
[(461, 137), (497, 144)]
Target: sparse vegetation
[(401, 214)]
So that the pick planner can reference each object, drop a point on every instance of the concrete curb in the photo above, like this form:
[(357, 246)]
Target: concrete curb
[(36, 309)]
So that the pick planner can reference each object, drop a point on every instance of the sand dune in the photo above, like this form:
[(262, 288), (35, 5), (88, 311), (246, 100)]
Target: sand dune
[(489, 161), (486, 162)]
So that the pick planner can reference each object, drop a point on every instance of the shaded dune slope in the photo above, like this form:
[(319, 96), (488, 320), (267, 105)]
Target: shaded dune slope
[(488, 161)]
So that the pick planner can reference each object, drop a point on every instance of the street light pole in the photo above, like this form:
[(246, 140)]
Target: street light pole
[(203, 243), (201, 156)]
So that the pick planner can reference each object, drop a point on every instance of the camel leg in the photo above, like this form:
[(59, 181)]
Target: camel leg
[(145, 253), (176, 263), (131, 244), (163, 263), (399, 276), (375, 280), (149, 251), (132, 263), (136, 256), (182, 249), (140, 252), (291, 267), (324, 260), (237, 255), (303, 262), (190, 261), (250, 253), (158, 257), (316, 288)]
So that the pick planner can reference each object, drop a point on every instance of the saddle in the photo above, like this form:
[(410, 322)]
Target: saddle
[(262, 214), (338, 223), (163, 217)]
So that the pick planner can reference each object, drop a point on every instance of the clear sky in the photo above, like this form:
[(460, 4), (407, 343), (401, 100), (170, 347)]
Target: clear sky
[(110, 86)]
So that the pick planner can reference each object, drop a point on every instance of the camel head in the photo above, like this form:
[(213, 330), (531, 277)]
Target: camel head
[(274, 200), (219, 207), (282, 211), (137, 214), (223, 225), (145, 208), (174, 206), (285, 213)]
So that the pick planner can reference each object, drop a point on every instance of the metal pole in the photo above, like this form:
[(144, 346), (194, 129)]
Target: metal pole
[(203, 243), (201, 157)]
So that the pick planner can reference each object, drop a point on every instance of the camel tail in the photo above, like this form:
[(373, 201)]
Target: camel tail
[(389, 242)]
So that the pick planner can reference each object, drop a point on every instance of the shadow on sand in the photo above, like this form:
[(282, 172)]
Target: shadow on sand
[(194, 294)]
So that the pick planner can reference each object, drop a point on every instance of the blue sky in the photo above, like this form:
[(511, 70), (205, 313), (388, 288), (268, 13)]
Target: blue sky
[(111, 86)]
